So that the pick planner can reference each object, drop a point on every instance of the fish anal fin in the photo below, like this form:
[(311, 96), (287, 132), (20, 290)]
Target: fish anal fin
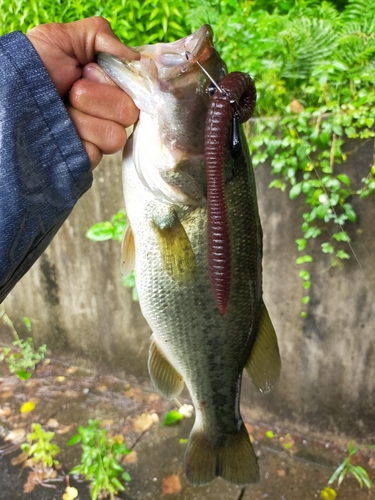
[(127, 251), (164, 377), (176, 250), (234, 460), (264, 364)]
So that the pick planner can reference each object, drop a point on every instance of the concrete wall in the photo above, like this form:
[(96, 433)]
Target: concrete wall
[(78, 306), (328, 375)]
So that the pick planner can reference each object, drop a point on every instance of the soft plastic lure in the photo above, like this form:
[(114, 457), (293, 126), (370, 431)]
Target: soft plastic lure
[(232, 103)]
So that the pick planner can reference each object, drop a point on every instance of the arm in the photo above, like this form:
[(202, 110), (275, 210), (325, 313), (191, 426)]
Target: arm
[(45, 161)]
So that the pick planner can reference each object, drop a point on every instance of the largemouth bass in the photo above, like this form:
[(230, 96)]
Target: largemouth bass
[(194, 238)]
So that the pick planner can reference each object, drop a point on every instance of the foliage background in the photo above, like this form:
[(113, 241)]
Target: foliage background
[(314, 67)]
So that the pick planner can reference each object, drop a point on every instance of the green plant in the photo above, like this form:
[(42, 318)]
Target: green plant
[(346, 467), (135, 22), (173, 417), (100, 459), (113, 230), (22, 357), (40, 449), (108, 230)]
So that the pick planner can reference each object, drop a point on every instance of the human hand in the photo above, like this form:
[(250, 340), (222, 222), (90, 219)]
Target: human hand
[(99, 109)]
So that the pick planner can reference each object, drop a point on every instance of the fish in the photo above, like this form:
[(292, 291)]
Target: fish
[(194, 239)]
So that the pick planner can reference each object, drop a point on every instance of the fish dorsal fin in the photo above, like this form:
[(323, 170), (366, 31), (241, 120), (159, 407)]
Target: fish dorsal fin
[(164, 377), (264, 364), (127, 251), (175, 247)]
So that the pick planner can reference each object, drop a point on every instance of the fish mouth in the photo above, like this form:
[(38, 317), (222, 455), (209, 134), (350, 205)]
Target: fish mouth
[(174, 59), (163, 63)]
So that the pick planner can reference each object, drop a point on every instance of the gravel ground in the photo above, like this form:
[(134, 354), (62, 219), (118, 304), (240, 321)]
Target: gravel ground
[(293, 467)]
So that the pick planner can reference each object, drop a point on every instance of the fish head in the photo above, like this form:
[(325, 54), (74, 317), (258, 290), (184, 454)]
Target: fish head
[(168, 85)]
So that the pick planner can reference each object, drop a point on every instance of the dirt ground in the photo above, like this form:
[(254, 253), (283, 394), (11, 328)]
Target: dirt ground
[(293, 467)]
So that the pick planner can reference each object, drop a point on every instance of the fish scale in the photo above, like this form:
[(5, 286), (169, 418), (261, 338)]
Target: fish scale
[(193, 342)]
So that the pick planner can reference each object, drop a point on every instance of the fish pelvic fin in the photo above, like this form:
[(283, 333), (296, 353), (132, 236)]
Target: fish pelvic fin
[(176, 250), (165, 378), (127, 251), (234, 460), (264, 364)]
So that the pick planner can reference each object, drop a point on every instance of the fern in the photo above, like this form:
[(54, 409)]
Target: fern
[(309, 42), (357, 9)]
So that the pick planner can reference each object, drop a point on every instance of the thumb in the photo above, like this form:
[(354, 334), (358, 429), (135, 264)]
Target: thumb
[(93, 35)]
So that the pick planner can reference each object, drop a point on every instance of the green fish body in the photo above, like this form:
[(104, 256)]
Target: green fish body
[(165, 192)]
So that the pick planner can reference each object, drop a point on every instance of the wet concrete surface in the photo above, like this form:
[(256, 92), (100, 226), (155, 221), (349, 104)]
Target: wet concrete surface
[(293, 467)]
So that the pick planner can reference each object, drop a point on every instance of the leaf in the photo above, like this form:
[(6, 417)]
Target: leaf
[(23, 374), (328, 493), (301, 244), (15, 435), (172, 418), (342, 255), (126, 476), (27, 323), (131, 457), (171, 485), (295, 191), (342, 236), (337, 472), (101, 231), (303, 259), (19, 459), (27, 407), (74, 440), (270, 434), (350, 213), (344, 179), (71, 370), (70, 493), (143, 423), (305, 275), (327, 248), (53, 423)]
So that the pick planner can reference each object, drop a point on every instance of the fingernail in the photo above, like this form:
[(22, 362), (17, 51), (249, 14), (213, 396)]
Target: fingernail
[(95, 74)]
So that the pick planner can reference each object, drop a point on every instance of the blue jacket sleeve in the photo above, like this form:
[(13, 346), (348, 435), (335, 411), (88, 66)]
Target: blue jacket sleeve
[(43, 167)]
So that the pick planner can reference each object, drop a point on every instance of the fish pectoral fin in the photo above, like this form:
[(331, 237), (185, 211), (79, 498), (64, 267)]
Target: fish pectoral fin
[(264, 364), (175, 247), (164, 377), (234, 460), (127, 251)]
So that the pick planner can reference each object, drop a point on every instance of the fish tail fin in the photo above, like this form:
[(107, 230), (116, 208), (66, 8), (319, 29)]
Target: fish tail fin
[(234, 460)]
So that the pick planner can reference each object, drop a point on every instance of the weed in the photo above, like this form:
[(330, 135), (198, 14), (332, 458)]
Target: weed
[(100, 459), (346, 467), (40, 449), (22, 357)]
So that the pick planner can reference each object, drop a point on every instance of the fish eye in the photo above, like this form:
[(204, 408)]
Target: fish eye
[(211, 88)]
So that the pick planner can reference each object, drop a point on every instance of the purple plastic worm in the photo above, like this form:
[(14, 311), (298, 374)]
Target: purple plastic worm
[(238, 96)]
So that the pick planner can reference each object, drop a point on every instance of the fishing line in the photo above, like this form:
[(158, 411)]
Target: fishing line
[(187, 55)]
